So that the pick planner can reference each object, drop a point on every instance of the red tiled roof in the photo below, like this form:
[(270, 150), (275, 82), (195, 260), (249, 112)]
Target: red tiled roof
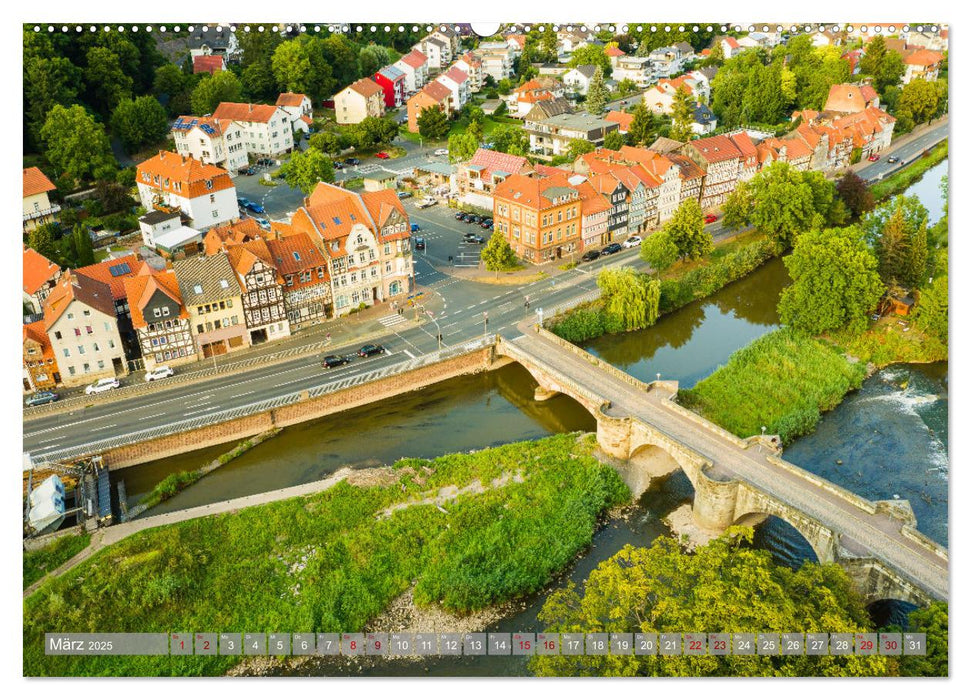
[(621, 118), (243, 256), (715, 149), (190, 174), (307, 254), (36, 182), (230, 234), (245, 112), (614, 51), (687, 168), (112, 273), (37, 270), (35, 331), (86, 290), (491, 161), (365, 87), (456, 74), (436, 91), (208, 64), (142, 287), (290, 99), (924, 57), (591, 201), (844, 97), (415, 59), (528, 191)]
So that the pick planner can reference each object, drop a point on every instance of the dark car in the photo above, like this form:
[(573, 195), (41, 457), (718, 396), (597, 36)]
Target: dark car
[(338, 165), (611, 248), (332, 361), (893, 159), (404, 195), (255, 208), (415, 228), (473, 238), (370, 349), (419, 243), (353, 161), (486, 223), (41, 397), (460, 216), (590, 255), (250, 170), (243, 202), (474, 219)]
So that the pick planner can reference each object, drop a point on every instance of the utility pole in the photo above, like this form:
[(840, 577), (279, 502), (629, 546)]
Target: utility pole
[(485, 323), (437, 328)]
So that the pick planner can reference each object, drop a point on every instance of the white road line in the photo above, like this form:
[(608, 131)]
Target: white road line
[(409, 354)]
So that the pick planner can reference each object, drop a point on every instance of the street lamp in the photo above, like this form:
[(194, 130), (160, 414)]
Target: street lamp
[(437, 328), (659, 376), (485, 323)]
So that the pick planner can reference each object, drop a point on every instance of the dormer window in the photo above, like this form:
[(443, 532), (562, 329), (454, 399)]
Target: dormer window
[(208, 184)]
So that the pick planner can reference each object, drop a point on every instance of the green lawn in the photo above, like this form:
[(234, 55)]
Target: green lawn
[(333, 561), (783, 380), (905, 177), (41, 561)]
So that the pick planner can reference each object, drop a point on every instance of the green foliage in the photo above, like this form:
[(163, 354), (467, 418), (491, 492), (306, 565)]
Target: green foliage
[(306, 169), (932, 309), (106, 80), (40, 561), (630, 299), (897, 231), (139, 122), (373, 131), (905, 177), (855, 194), (462, 146), (223, 86), (497, 255), (686, 230), (433, 123), (682, 115), (371, 58), (737, 210), (83, 247), (724, 585), (331, 142), (597, 93), (301, 65), (627, 86), (590, 55), (511, 139), (659, 251), (613, 140), (577, 147), (919, 98), (335, 559), (835, 283), (171, 485), (580, 324), (886, 67), (644, 127), (76, 145), (48, 81), (932, 621), (41, 239), (783, 380)]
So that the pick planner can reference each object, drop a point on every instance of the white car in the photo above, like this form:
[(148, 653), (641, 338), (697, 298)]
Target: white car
[(102, 385), (632, 242), (160, 372), (441, 152), (426, 202)]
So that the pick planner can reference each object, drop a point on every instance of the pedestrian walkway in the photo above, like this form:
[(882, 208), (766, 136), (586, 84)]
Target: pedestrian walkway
[(392, 320)]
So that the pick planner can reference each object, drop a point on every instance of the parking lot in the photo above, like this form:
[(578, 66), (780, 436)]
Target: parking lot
[(443, 236)]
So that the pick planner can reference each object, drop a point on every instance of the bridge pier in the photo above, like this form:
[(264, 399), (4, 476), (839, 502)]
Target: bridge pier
[(541, 394)]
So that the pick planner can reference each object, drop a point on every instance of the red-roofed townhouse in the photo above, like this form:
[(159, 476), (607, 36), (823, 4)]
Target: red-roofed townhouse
[(359, 100), (262, 288), (845, 98), (663, 169), (113, 272), (730, 46), (432, 96), (622, 119), (40, 276), (749, 161), (486, 169), (214, 63), (213, 141), (159, 317), (299, 108), (38, 209), (392, 82), (457, 82), (922, 64), (367, 240), (40, 365), (721, 160), (266, 128), (306, 285), (540, 217), (595, 215), (220, 237), (79, 317), (415, 67), (205, 193), (471, 65), (614, 53)]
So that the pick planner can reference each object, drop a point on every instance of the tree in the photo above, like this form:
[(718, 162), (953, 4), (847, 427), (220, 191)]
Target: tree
[(590, 55), (304, 170), (932, 621), (508, 138), (737, 211), (328, 142), (931, 310), (614, 140), (659, 251), (433, 123), (578, 147), (715, 58), (885, 66), (139, 122), (462, 146), (630, 298), (47, 82), (835, 283), (291, 66), (626, 86), (372, 131), (258, 81), (83, 248), (784, 202), (643, 127), (597, 93), (107, 84), (919, 98), (898, 234), (113, 195), (683, 115), (497, 254), (371, 58), (686, 230), (853, 190), (76, 145), (223, 86), (169, 80), (724, 585), (41, 239)]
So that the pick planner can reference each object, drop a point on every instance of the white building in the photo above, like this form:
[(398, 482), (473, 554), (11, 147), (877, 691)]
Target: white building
[(266, 128), (205, 193), (299, 108), (497, 58), (415, 67), (155, 223), (457, 82), (437, 52), (636, 68), (212, 141), (578, 79)]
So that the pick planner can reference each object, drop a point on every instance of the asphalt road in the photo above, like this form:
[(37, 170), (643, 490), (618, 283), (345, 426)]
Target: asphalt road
[(907, 153)]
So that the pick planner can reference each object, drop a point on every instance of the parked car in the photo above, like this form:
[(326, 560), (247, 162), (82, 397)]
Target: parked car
[(590, 255), (415, 228), (102, 385), (473, 238), (486, 223), (40, 398), (610, 249), (632, 242), (404, 195), (710, 218), (262, 223), (893, 159), (352, 161), (371, 349), (243, 202), (460, 216), (338, 165), (441, 152), (255, 208), (419, 243), (332, 361), (874, 157), (160, 372), (474, 219), (426, 202), (382, 155), (250, 170)]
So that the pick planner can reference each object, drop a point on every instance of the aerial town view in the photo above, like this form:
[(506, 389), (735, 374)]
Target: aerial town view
[(428, 350)]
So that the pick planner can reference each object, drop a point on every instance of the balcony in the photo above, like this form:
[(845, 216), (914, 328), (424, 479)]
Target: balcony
[(41, 213)]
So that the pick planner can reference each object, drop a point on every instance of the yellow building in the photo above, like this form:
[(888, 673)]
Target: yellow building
[(539, 216)]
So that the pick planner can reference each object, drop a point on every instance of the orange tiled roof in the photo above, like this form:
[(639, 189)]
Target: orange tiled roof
[(844, 97), (37, 270), (182, 175), (591, 201), (614, 51), (456, 74), (230, 234), (924, 57), (436, 91), (142, 287), (307, 254), (621, 118), (112, 273), (290, 99), (244, 256), (365, 87), (529, 191), (715, 149), (208, 64), (36, 182), (245, 112), (85, 290), (491, 161), (415, 59), (35, 331)]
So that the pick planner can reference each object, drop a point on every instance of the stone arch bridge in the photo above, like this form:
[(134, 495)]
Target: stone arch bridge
[(736, 481)]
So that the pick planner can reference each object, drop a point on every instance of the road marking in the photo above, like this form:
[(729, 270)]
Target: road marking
[(409, 354), (246, 393), (392, 320)]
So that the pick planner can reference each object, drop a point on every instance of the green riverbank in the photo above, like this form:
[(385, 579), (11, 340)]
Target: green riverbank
[(40, 561), (908, 175), (466, 531)]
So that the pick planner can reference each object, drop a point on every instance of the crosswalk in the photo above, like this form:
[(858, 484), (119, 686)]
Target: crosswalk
[(391, 320)]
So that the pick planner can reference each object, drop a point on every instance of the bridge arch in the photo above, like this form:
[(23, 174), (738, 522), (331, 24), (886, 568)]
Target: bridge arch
[(754, 507)]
